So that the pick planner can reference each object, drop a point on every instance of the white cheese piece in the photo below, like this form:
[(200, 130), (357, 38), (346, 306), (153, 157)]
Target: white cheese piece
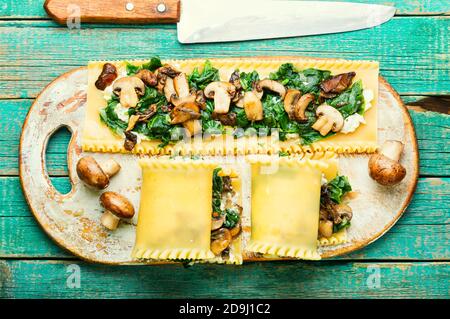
[(368, 97), (352, 122), (323, 180), (122, 112), (107, 93)]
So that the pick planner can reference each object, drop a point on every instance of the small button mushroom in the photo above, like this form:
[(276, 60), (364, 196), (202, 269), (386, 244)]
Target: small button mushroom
[(148, 77), (181, 85), (96, 174), (222, 93), (326, 228), (117, 207), (220, 240), (193, 127), (384, 166), (253, 107), (185, 112), (329, 119), (107, 77), (129, 89), (271, 85)]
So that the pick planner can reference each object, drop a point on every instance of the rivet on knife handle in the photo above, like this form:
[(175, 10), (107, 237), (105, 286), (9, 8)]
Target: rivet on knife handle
[(113, 11)]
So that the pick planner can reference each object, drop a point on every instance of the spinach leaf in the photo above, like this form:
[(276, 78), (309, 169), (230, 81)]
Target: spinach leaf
[(199, 80), (159, 128), (307, 81), (151, 65), (231, 218), (109, 116), (247, 80), (338, 187), (151, 96), (217, 190), (344, 224), (209, 125), (350, 101)]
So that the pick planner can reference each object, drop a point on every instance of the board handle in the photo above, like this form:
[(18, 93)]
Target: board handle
[(69, 12)]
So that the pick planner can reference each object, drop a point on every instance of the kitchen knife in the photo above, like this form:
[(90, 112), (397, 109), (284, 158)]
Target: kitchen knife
[(227, 20)]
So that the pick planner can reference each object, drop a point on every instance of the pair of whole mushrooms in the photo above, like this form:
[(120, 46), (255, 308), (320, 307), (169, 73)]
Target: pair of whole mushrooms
[(97, 175)]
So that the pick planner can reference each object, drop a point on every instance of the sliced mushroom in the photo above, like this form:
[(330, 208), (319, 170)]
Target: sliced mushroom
[(169, 89), (340, 213), (130, 141), (253, 107), (301, 105), (181, 85), (117, 207), (107, 77), (222, 92), (329, 119), (96, 174), (148, 77), (384, 166), (220, 240), (129, 89), (168, 71), (235, 79), (271, 85), (193, 127), (132, 122), (336, 84), (290, 99), (326, 228), (185, 112), (217, 222), (236, 230), (200, 99), (228, 119), (177, 101)]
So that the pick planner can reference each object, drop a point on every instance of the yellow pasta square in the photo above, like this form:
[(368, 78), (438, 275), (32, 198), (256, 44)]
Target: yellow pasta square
[(174, 219), (285, 208)]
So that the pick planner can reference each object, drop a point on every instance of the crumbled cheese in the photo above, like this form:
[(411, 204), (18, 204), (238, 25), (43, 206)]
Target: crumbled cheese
[(352, 122), (324, 180), (368, 97), (107, 93), (122, 112)]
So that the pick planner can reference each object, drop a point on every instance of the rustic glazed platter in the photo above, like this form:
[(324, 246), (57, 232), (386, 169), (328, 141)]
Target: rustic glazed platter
[(73, 220)]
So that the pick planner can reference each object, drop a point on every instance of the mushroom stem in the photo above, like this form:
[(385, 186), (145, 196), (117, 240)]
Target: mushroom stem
[(110, 167), (109, 220), (392, 150)]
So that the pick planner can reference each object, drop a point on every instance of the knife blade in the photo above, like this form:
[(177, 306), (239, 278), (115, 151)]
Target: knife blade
[(232, 20)]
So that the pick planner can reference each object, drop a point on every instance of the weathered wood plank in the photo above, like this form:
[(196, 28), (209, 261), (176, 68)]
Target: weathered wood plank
[(33, 53), (433, 133), (422, 233), (34, 8), (41, 279)]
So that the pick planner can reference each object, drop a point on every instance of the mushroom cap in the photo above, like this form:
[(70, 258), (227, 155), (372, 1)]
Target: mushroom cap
[(333, 114), (271, 85), (129, 83), (385, 170), (212, 87), (90, 172), (117, 204)]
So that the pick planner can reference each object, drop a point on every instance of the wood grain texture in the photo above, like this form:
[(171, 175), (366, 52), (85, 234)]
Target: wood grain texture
[(433, 134), (28, 48), (31, 279), (113, 11), (420, 234), (34, 8)]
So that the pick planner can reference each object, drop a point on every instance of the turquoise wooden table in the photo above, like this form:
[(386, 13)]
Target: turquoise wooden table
[(411, 261)]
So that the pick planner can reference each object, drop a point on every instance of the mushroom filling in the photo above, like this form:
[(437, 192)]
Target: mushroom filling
[(226, 215), (334, 213), (309, 104)]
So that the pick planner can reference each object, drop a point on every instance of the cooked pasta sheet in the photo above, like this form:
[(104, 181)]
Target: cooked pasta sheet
[(98, 137), (285, 207)]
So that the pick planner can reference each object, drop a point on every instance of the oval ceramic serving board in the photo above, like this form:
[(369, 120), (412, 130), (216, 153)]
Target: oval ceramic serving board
[(73, 220)]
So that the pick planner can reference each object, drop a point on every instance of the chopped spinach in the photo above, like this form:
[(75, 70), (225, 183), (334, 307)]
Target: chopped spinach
[(209, 125), (217, 190), (151, 65), (248, 79), (344, 224), (231, 218), (109, 116), (199, 80), (337, 188), (350, 101), (151, 96), (307, 81)]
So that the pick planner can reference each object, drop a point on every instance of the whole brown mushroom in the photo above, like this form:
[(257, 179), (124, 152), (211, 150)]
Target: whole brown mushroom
[(384, 166), (117, 207), (96, 174)]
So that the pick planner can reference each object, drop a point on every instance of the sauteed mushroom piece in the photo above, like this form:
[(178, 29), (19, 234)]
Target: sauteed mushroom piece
[(253, 107), (193, 127), (271, 85), (384, 166), (220, 240), (117, 207), (336, 84), (185, 112), (326, 228), (181, 85), (329, 119), (148, 77), (222, 93), (107, 77), (129, 89), (96, 174)]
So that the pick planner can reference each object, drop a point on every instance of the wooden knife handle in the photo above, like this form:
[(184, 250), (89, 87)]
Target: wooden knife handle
[(114, 11)]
